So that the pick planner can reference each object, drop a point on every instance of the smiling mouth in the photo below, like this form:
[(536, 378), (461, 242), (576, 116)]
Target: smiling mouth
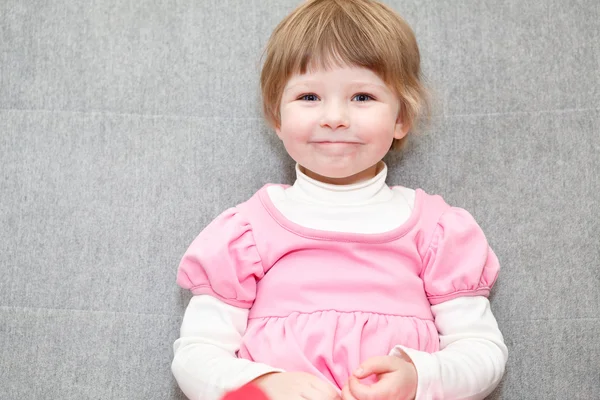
[(336, 142)]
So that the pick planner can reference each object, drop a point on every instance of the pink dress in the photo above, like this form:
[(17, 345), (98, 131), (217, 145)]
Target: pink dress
[(323, 302)]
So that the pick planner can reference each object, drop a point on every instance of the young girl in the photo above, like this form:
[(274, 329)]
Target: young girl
[(339, 286)]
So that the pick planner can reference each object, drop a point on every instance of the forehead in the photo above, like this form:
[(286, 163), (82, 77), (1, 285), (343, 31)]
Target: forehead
[(336, 74)]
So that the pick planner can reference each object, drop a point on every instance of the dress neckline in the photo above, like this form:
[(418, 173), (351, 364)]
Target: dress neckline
[(318, 234)]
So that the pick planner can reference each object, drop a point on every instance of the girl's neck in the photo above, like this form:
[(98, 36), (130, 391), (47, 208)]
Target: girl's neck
[(367, 174), (368, 190)]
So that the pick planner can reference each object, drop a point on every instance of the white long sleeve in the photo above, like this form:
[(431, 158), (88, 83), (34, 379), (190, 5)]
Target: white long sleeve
[(469, 365), (472, 355), (205, 363)]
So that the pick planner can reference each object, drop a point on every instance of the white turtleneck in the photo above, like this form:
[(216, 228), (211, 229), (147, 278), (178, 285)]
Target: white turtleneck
[(366, 207), (472, 353)]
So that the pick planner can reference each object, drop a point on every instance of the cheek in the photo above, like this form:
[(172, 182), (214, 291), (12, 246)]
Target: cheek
[(377, 125), (296, 124)]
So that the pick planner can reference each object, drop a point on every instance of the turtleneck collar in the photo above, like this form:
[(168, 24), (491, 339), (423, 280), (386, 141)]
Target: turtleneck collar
[(309, 190)]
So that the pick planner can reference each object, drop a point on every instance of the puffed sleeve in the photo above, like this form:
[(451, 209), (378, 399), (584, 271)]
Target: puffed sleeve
[(459, 261), (223, 261)]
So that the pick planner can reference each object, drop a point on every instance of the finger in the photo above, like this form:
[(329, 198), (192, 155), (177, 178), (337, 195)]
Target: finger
[(376, 365), (312, 393), (346, 394), (358, 390), (309, 394), (325, 390), (384, 389), (366, 392)]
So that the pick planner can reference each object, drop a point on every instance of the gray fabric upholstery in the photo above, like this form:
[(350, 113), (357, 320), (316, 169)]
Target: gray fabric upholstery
[(126, 126)]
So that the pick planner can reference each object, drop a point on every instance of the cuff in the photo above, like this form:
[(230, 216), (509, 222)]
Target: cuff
[(425, 366), (253, 371)]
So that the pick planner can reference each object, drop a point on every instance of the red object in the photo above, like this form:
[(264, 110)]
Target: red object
[(246, 392)]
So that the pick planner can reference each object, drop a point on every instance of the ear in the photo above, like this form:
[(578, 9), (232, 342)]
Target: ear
[(400, 129), (278, 131)]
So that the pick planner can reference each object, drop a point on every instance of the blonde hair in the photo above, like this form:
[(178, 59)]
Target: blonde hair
[(363, 33)]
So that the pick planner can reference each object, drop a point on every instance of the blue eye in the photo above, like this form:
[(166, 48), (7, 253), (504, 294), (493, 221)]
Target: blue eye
[(309, 97), (362, 97)]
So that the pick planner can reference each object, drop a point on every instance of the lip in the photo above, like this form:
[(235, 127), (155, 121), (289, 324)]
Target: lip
[(334, 142)]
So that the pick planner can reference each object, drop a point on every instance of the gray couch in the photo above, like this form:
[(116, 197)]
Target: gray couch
[(126, 126)]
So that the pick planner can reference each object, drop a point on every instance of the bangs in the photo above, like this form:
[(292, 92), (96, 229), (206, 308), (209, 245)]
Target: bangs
[(325, 34), (337, 34)]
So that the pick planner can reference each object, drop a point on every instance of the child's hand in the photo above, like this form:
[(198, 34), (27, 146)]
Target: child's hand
[(396, 380), (295, 386)]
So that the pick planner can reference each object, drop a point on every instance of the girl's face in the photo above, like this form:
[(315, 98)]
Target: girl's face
[(339, 123)]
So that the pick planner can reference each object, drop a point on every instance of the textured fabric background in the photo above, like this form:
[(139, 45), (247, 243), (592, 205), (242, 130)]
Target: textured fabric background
[(126, 126)]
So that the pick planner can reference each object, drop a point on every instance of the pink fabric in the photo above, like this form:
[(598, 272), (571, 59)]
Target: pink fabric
[(458, 240), (323, 302)]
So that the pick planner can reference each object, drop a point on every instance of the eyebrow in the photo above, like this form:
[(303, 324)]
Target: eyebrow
[(352, 84), (302, 83), (377, 85)]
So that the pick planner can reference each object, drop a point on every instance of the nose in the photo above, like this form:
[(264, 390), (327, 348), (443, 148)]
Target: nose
[(335, 116)]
